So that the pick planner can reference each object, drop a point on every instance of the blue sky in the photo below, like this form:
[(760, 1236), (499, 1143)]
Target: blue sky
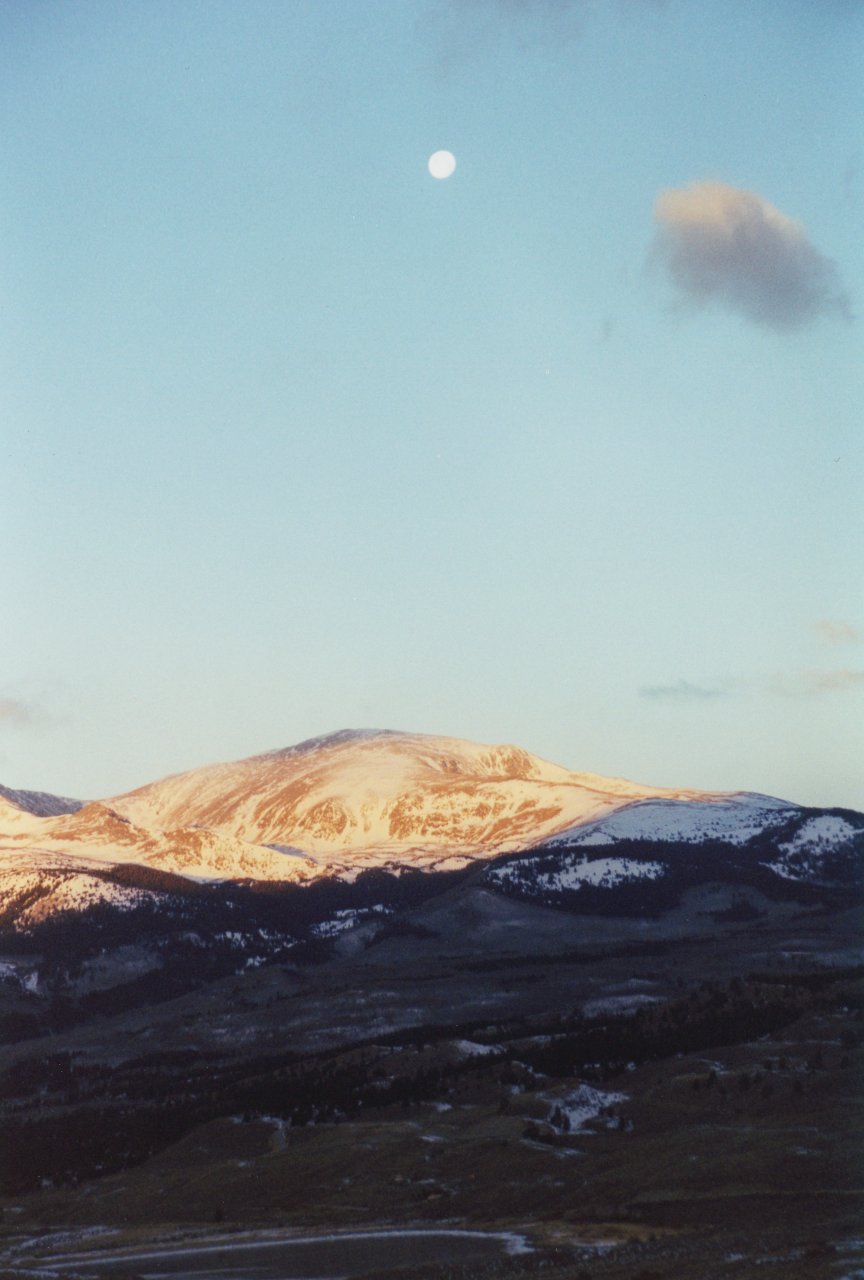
[(563, 450)]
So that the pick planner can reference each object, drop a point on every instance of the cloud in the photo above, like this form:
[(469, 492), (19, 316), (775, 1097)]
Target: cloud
[(816, 684), (534, 10), (17, 714), (462, 29), (798, 684), (682, 691), (833, 631), (724, 245)]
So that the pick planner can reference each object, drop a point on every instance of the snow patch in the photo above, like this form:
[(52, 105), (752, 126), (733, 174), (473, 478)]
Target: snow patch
[(605, 873), (348, 918), (803, 857), (734, 820), (820, 834), (618, 1004), (471, 1049), (571, 1113)]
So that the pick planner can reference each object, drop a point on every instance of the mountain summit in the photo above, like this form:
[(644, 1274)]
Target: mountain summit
[(370, 797), (357, 799), (333, 807)]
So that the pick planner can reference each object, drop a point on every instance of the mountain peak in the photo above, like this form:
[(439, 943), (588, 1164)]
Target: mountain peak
[(364, 797), (340, 737), (358, 798)]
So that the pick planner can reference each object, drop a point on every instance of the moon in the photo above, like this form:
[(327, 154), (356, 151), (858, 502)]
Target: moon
[(442, 164)]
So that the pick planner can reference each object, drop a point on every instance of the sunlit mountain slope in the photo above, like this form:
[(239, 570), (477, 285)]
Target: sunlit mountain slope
[(356, 800), (360, 796)]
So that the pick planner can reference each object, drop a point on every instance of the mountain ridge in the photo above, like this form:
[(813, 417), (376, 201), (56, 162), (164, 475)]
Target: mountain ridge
[(338, 845), (355, 798), (368, 800)]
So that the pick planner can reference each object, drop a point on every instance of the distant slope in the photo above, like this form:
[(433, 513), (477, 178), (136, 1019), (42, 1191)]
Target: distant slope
[(643, 858), (733, 818), (40, 803)]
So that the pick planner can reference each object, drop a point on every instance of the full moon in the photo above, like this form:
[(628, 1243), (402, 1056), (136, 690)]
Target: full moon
[(442, 164)]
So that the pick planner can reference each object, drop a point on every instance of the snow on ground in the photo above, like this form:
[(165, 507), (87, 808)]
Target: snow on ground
[(790, 871), (347, 918), (820, 833), (75, 891), (369, 791), (456, 862), (603, 872), (733, 819), (802, 857), (347, 801), (39, 803), (570, 1113), (81, 891), (82, 841), (618, 1004), (471, 1049)]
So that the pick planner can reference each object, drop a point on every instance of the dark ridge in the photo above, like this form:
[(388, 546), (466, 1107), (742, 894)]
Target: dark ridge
[(41, 803)]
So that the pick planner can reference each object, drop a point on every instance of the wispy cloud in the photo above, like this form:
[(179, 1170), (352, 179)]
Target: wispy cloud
[(463, 28), (796, 684), (18, 714), (724, 245), (681, 691), (815, 684), (540, 11), (834, 631)]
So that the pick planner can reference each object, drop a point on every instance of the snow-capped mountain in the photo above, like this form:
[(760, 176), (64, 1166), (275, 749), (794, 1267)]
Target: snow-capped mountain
[(352, 801), (734, 819), (97, 835), (651, 851), (328, 847), (362, 797)]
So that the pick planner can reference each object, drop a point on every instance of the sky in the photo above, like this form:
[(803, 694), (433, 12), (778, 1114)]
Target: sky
[(562, 450)]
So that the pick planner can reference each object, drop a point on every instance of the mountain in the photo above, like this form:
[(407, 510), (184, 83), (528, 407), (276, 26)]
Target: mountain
[(371, 797), (644, 858), (342, 803), (448, 874), (359, 798), (377, 952), (40, 803), (379, 801)]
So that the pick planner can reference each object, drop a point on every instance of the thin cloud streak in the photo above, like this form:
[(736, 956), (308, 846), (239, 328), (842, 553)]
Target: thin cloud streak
[(800, 684), (463, 28), (723, 245), (835, 631), (18, 714), (816, 684), (681, 691)]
